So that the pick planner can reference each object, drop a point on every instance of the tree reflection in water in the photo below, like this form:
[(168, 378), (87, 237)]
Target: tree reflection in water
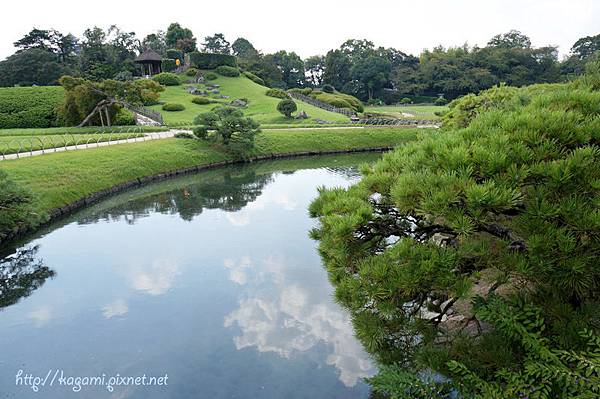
[(20, 274)]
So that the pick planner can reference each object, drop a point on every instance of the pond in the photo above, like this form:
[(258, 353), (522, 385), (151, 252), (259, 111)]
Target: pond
[(208, 281)]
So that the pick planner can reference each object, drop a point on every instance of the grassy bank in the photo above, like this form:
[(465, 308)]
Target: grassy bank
[(60, 179)]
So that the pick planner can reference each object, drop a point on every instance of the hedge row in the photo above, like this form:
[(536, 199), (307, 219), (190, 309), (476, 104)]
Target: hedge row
[(254, 78), (224, 70), (211, 61), (168, 65), (29, 107)]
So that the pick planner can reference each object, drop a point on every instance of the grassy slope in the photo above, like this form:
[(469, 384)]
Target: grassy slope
[(12, 144), (62, 178), (261, 107), (79, 130), (419, 111)]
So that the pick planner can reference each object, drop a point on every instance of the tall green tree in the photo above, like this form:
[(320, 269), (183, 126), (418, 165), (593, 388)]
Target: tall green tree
[(373, 72), (34, 66), (216, 44), (180, 38), (337, 69)]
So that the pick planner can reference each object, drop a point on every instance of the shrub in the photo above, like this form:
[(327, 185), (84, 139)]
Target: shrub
[(191, 72), (168, 65), (201, 100), (210, 75), (339, 100), (327, 88), (498, 222), (174, 54), (277, 93), (227, 71), (305, 90), (287, 107), (440, 101), (211, 61), (184, 135), (405, 100), (207, 119), (173, 107), (167, 79), (201, 132), (124, 117), (231, 129), (254, 78), (123, 76), (15, 206), (464, 109), (29, 107)]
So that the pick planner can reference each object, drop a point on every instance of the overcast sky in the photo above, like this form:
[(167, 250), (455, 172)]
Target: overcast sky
[(315, 26)]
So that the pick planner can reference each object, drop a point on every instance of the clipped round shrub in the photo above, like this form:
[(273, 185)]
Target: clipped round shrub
[(210, 75), (405, 100), (287, 107), (225, 70), (166, 79), (201, 132), (327, 88), (124, 117), (277, 93), (173, 107), (191, 72), (201, 100), (440, 101), (254, 78)]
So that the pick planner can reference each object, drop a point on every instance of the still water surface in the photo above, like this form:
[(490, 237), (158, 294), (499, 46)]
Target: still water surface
[(210, 279)]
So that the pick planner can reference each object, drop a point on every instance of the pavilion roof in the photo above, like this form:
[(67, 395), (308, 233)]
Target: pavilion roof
[(148, 55)]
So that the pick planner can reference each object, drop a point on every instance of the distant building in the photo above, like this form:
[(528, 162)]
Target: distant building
[(150, 62)]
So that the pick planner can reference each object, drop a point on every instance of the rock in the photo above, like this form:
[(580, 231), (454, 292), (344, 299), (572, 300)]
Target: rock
[(441, 239), (321, 121), (302, 115), (238, 103)]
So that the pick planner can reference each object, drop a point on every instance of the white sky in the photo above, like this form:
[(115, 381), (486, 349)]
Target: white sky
[(315, 26)]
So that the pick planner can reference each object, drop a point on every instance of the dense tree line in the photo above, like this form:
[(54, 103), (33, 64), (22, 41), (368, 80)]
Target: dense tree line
[(357, 67)]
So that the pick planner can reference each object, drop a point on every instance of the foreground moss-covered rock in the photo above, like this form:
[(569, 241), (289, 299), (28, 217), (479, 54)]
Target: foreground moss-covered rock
[(474, 252)]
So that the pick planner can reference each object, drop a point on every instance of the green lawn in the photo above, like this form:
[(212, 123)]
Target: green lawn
[(62, 178), (80, 130), (13, 144), (418, 111), (261, 107)]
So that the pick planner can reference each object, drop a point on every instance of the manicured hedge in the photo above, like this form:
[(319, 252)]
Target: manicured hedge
[(211, 61), (224, 70), (29, 107), (171, 107), (210, 75), (254, 78), (168, 65), (191, 72), (339, 100), (167, 79), (306, 90), (201, 100), (174, 54), (277, 93)]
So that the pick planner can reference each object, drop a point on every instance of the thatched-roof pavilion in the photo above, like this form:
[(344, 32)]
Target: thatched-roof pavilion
[(150, 62)]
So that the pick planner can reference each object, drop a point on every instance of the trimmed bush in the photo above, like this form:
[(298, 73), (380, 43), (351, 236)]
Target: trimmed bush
[(191, 72), (305, 91), (184, 135), (405, 100), (29, 107), (124, 117), (201, 132), (168, 65), (328, 88), (225, 70), (210, 75), (287, 107), (277, 93), (254, 78), (202, 100), (173, 107), (211, 61), (167, 79)]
